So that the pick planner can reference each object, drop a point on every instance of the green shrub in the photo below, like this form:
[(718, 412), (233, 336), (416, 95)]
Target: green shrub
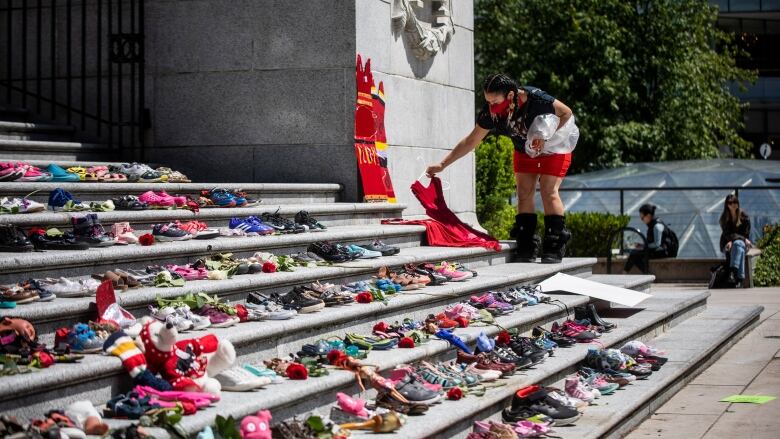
[(495, 185), (767, 271)]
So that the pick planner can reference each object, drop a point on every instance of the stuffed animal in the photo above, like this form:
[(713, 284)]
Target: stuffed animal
[(257, 427), (187, 365)]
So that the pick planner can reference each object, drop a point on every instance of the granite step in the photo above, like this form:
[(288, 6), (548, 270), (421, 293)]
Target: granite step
[(299, 398), (267, 193), (56, 263), (104, 374), (663, 313), (51, 150), (691, 348), (35, 131), (48, 316), (330, 214)]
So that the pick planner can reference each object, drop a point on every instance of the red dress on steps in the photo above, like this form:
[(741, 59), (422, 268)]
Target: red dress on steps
[(444, 228)]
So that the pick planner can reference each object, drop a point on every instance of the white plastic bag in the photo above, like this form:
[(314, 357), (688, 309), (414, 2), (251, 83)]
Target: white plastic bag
[(562, 141)]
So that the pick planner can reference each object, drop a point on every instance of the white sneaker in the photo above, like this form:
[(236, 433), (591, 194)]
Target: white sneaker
[(123, 233), (20, 205), (64, 287), (169, 315), (198, 322), (238, 379)]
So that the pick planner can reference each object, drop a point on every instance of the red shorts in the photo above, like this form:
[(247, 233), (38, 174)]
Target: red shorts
[(554, 164)]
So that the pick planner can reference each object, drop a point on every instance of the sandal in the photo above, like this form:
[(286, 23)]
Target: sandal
[(116, 280), (78, 170), (105, 206), (368, 343), (96, 173), (406, 281)]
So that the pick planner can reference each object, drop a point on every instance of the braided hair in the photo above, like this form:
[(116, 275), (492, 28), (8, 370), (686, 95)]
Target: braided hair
[(499, 83)]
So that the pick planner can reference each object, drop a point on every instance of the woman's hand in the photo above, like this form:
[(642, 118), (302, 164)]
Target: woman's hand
[(728, 246), (537, 144), (748, 244), (434, 169)]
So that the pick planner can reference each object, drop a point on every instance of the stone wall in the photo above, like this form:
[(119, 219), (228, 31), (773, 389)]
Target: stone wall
[(253, 90), (264, 91), (430, 104)]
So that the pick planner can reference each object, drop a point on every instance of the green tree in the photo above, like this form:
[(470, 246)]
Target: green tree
[(647, 80), (495, 184)]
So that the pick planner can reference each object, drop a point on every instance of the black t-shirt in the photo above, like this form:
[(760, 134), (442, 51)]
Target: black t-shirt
[(538, 102)]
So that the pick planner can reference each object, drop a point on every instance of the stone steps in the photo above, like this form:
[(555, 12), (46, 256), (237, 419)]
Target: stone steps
[(266, 193), (97, 377), (665, 317), (691, 346), (14, 114), (48, 316), (52, 150), (34, 131), (298, 398), (56, 263), (331, 214)]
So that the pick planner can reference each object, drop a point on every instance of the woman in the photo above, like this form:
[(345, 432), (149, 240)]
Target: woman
[(734, 242), (655, 244), (510, 110)]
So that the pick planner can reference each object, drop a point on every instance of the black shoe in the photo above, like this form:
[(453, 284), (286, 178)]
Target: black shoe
[(298, 300), (12, 239), (554, 247), (588, 312), (524, 347), (280, 223), (524, 233), (65, 241), (328, 251), (506, 355), (536, 400), (436, 278), (308, 222)]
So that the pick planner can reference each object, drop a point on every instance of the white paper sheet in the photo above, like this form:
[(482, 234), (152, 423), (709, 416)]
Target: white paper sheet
[(598, 290)]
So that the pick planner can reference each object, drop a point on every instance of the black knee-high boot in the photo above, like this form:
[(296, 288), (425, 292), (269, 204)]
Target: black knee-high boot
[(528, 242), (555, 238)]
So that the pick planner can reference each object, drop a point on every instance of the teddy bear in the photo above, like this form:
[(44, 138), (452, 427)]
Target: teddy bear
[(257, 426), (187, 364), (184, 365)]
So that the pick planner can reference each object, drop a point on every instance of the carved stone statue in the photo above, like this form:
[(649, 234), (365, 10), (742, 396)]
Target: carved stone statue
[(425, 39)]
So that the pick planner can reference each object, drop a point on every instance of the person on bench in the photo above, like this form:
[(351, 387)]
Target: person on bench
[(655, 244), (734, 242)]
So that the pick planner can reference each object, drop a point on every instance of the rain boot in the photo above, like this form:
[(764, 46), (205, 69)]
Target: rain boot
[(528, 242), (555, 238)]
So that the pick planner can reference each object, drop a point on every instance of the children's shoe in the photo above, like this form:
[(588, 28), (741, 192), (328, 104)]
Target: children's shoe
[(198, 229), (60, 175), (576, 389), (280, 223), (310, 223), (248, 227), (33, 173), (152, 199), (87, 229), (452, 274), (20, 205), (169, 232), (9, 172), (123, 233)]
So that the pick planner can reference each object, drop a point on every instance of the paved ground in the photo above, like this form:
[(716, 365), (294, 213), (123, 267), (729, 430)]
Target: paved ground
[(751, 367)]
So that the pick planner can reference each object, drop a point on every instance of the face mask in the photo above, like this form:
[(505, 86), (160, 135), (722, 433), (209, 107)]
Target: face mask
[(500, 109)]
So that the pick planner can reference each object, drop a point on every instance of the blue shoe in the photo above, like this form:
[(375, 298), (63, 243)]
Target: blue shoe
[(268, 230), (247, 226), (485, 343), (221, 198), (60, 175), (454, 340), (59, 197)]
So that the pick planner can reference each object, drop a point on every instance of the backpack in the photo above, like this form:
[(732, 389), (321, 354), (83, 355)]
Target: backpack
[(719, 277), (669, 241)]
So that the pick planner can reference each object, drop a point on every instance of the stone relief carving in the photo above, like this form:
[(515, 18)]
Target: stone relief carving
[(425, 39)]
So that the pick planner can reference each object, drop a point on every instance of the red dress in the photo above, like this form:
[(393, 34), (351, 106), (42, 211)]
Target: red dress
[(445, 228)]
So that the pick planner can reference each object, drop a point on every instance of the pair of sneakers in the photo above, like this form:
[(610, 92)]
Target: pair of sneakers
[(251, 226), (181, 317), (273, 309)]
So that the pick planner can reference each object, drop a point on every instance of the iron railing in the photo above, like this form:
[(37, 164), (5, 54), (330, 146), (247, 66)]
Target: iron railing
[(623, 190), (78, 63)]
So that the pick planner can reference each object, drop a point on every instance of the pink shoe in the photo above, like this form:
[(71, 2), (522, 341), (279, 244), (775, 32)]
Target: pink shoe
[(123, 233), (354, 406), (576, 389), (199, 399), (446, 269), (188, 273), (461, 310), (32, 173), (155, 200), (179, 201), (530, 429), (9, 172)]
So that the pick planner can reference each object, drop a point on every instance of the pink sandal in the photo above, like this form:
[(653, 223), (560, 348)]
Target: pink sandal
[(154, 200)]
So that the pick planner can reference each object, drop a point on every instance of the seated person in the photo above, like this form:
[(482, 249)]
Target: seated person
[(655, 244), (734, 242)]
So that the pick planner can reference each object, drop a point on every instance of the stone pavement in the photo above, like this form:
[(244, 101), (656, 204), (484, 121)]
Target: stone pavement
[(751, 367)]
